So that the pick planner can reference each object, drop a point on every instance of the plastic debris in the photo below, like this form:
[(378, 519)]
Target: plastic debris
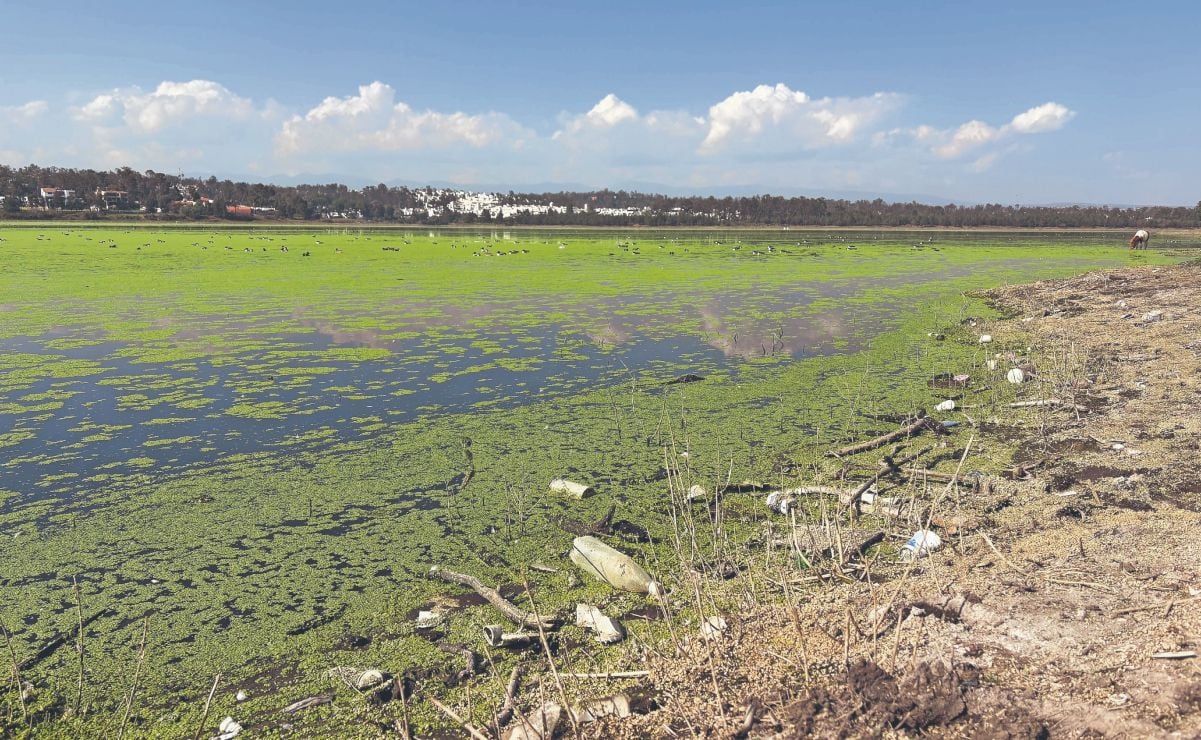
[(358, 679), (537, 725), (228, 729), (427, 620), (780, 501), (615, 568), (607, 629), (495, 636), (713, 627), (922, 543), (571, 488)]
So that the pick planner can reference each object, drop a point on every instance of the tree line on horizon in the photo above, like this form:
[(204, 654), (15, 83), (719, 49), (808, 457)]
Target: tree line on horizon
[(158, 196)]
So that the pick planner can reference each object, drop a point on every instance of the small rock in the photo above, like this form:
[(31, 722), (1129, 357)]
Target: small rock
[(241, 696), (985, 338)]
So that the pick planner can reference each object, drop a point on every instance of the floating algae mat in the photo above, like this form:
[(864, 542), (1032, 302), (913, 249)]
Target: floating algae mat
[(261, 439)]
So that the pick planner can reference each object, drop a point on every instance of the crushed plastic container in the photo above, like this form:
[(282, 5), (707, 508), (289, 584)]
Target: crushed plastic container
[(922, 543), (615, 568)]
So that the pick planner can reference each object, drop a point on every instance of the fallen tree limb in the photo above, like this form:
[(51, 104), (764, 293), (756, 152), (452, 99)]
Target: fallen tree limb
[(493, 597), (922, 423), (1041, 402), (54, 644)]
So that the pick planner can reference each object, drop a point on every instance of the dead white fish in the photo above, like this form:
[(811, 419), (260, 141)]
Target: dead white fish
[(571, 488), (607, 629), (1017, 376), (947, 405), (537, 725), (713, 627), (228, 729), (427, 620), (495, 636)]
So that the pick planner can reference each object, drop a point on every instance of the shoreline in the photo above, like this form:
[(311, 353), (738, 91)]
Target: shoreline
[(1066, 597)]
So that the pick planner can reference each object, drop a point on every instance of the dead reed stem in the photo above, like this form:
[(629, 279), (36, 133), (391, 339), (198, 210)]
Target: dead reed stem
[(204, 717)]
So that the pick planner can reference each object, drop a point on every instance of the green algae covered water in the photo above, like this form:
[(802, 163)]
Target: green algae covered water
[(261, 439)]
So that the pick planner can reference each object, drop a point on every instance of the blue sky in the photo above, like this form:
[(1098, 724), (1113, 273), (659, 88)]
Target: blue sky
[(1000, 102)]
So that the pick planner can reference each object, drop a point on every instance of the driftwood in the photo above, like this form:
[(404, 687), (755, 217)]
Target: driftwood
[(493, 597), (506, 712), (922, 423)]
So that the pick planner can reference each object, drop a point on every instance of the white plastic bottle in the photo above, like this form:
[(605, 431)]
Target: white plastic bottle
[(615, 568)]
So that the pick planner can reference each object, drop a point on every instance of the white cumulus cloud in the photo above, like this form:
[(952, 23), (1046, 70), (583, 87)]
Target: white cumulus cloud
[(169, 103), (24, 113), (974, 134), (374, 121), (792, 118), (1046, 117)]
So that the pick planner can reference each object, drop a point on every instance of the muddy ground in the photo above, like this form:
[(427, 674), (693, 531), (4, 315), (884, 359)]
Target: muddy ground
[(1066, 600)]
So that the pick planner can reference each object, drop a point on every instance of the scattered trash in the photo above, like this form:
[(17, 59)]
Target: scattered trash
[(1017, 376), (607, 629), (780, 502), (358, 679), (495, 636), (985, 338), (615, 568), (621, 705), (228, 729), (428, 620), (947, 405), (713, 627), (949, 380), (537, 725), (571, 488), (241, 696), (922, 543)]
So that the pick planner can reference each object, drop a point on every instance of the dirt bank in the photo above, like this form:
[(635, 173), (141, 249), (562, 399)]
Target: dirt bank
[(1066, 600)]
